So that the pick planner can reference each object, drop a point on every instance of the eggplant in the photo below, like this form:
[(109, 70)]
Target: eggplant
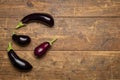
[(18, 62), (43, 18), (21, 40), (41, 50)]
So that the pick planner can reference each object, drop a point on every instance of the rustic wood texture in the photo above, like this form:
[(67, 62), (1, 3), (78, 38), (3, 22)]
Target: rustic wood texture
[(58, 8), (65, 65), (91, 33), (88, 45)]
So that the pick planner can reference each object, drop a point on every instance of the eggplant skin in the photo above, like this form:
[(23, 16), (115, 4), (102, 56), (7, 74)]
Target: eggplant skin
[(41, 50), (19, 63), (44, 18), (21, 40)]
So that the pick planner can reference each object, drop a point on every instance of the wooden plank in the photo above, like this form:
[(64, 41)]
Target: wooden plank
[(115, 67), (58, 8), (84, 28), (99, 8), (64, 65), (31, 6), (72, 33)]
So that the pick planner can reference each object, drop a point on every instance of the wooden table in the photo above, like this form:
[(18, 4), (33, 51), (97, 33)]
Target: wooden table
[(88, 45)]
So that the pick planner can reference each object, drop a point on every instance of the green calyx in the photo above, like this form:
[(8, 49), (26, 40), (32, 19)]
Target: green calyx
[(20, 24), (9, 46), (52, 41), (13, 33)]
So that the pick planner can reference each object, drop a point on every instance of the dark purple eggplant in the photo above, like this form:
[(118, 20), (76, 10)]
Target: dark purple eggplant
[(17, 62), (22, 40), (41, 50), (43, 18)]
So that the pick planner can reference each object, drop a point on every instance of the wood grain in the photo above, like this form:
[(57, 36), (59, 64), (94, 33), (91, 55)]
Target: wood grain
[(72, 33), (100, 8), (58, 8), (88, 45), (64, 65)]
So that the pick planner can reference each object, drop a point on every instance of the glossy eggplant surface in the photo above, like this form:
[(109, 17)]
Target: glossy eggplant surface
[(18, 62), (21, 40), (41, 49), (43, 18)]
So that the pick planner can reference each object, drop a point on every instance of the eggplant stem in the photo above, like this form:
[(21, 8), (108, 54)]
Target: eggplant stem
[(13, 33), (52, 41), (9, 46), (20, 24)]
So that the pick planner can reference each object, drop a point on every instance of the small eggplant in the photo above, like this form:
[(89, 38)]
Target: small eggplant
[(17, 62), (22, 40), (40, 50), (43, 18)]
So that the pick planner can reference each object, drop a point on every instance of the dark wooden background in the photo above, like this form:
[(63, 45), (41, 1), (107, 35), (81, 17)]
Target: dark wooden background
[(88, 45)]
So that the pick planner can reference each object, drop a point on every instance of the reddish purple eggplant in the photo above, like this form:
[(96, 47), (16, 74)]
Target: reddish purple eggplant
[(43, 18), (40, 50), (21, 40), (17, 62)]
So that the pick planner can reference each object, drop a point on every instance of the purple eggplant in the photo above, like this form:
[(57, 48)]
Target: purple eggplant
[(43, 18), (21, 40), (41, 50), (17, 62)]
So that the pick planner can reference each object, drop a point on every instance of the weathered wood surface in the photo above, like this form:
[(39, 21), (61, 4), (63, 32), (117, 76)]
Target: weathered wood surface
[(83, 8), (88, 45), (65, 65), (72, 33)]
